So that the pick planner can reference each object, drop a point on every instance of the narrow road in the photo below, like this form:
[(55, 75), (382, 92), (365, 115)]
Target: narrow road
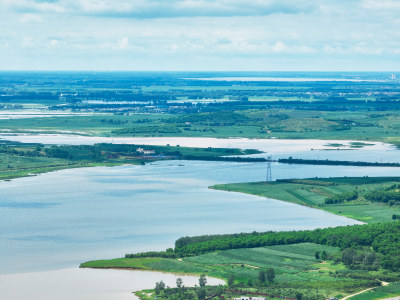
[(363, 291)]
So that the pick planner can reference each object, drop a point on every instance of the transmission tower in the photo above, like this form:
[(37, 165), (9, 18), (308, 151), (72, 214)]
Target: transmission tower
[(269, 172)]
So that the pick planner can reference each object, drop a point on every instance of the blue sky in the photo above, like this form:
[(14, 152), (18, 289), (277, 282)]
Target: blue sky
[(260, 35)]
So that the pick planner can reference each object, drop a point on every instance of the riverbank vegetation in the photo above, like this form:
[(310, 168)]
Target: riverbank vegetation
[(314, 263), (24, 159), (353, 197)]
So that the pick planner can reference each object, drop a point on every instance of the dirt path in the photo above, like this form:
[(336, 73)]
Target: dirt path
[(363, 291)]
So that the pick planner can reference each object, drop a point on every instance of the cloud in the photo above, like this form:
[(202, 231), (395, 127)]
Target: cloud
[(122, 43), (27, 42), (161, 34), (164, 9), (30, 18), (31, 6), (381, 4)]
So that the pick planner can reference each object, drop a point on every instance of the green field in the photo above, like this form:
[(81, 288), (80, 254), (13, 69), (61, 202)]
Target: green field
[(390, 291), (20, 159), (313, 192), (295, 267), (250, 123)]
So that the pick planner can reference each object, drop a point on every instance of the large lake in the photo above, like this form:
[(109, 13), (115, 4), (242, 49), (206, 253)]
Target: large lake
[(57, 220)]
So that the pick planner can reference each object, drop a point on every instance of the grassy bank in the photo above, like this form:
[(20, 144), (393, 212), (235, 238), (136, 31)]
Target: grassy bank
[(313, 192), (23, 159), (295, 267)]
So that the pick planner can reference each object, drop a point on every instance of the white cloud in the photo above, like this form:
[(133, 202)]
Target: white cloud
[(381, 4), (27, 42), (34, 6), (30, 18), (160, 34), (280, 47), (122, 43), (54, 43)]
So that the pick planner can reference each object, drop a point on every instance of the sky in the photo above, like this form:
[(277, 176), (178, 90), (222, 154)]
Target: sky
[(200, 35)]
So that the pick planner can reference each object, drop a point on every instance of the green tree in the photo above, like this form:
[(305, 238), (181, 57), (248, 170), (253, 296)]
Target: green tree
[(159, 287), (179, 283), (270, 274), (261, 276), (231, 279), (201, 293), (324, 255), (317, 255), (202, 280)]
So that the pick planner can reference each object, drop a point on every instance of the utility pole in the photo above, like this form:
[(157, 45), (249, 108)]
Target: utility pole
[(269, 172)]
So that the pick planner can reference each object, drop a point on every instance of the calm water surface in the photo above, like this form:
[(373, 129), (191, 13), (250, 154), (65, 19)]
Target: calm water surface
[(66, 217)]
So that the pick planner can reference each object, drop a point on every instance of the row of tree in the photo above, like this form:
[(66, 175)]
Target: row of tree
[(340, 198), (384, 238)]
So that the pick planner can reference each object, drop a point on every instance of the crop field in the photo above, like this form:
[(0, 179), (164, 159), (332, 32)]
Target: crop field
[(313, 192), (287, 260), (295, 266)]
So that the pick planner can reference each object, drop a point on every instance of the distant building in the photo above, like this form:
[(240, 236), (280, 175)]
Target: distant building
[(146, 152), (250, 298)]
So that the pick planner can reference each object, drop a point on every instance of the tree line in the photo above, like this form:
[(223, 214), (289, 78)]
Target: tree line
[(384, 238)]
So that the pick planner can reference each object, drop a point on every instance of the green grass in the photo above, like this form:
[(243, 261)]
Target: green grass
[(19, 159), (312, 192), (288, 261), (388, 291), (295, 267)]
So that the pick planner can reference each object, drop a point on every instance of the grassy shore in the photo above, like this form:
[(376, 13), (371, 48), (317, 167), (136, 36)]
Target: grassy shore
[(295, 267), (313, 192), (22, 159)]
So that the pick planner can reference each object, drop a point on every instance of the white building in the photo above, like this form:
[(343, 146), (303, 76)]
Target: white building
[(250, 298), (146, 152)]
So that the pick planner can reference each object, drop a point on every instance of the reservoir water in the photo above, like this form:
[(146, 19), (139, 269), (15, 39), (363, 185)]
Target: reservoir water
[(57, 220)]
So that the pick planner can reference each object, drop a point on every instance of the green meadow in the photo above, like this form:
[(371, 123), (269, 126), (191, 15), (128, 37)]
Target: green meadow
[(295, 267), (313, 192)]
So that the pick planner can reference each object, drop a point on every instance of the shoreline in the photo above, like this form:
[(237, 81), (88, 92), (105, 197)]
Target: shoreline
[(281, 146), (135, 269), (305, 205)]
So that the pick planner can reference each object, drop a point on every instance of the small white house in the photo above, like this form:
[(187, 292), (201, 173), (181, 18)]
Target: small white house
[(250, 298), (143, 151)]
